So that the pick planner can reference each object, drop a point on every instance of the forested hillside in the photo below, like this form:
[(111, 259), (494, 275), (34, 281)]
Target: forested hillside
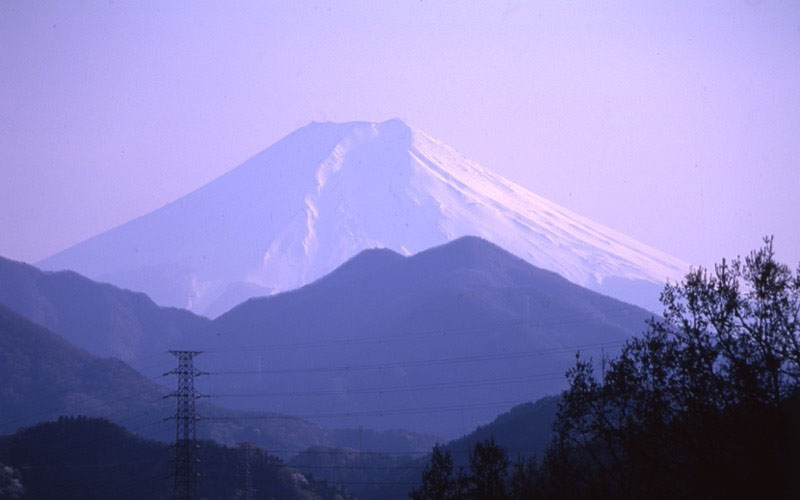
[(95, 459)]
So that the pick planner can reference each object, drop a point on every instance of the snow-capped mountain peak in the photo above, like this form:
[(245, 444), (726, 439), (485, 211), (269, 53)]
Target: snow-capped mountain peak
[(300, 208)]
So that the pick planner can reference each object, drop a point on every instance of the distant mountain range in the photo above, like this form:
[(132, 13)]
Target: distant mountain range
[(101, 318), (299, 209), (44, 376), (351, 309), (437, 343), (115, 462)]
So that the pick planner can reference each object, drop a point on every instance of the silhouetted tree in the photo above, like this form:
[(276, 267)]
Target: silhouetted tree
[(526, 481), (704, 404), (488, 466), (486, 478), (437, 478)]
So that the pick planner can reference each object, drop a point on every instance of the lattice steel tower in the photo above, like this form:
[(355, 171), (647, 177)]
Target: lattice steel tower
[(247, 449), (185, 461)]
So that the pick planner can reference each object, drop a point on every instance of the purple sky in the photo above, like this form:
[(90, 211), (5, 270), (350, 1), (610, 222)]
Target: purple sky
[(674, 122)]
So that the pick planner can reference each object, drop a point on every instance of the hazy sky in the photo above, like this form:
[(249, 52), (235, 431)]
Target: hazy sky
[(677, 123)]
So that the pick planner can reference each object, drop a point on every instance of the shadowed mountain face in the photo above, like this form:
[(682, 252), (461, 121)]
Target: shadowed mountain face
[(439, 342), (524, 430), (44, 376), (101, 318), (296, 211)]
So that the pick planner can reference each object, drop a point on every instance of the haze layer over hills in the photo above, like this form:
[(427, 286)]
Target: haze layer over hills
[(438, 342), (460, 331), (305, 205), (44, 376)]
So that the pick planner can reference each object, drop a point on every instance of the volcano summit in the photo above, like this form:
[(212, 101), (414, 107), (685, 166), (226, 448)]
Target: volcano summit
[(300, 208)]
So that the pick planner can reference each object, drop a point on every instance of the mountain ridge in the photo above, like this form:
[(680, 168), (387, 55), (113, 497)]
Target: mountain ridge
[(295, 211), (467, 322), (45, 376), (464, 311), (99, 317)]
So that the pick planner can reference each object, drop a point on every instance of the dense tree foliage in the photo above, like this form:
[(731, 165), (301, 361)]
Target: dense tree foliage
[(437, 478), (488, 465), (365, 474), (487, 477), (92, 458), (704, 404)]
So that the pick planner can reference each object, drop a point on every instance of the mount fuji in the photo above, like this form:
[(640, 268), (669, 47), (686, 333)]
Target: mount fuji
[(300, 208)]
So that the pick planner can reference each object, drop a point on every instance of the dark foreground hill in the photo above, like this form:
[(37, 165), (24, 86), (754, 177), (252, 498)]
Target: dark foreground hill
[(95, 459), (44, 376), (524, 430), (438, 342)]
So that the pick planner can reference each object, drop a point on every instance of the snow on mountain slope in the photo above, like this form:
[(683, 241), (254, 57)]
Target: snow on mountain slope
[(297, 210)]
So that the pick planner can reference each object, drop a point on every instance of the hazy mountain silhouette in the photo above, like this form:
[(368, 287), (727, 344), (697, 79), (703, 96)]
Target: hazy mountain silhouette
[(101, 318), (44, 376), (524, 430), (437, 343), (384, 338)]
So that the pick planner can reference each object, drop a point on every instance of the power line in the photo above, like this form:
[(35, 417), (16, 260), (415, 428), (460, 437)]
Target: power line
[(376, 483), (564, 320), (341, 451), (377, 413), (359, 467), (55, 409), (428, 362), (402, 388), (140, 391)]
